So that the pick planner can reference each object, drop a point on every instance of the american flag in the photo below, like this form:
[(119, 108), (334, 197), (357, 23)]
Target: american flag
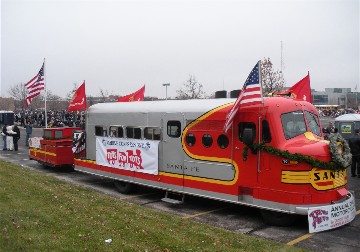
[(250, 94), (34, 86)]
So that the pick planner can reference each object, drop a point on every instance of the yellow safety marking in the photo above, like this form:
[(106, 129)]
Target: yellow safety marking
[(306, 236), (43, 152), (138, 195), (301, 238), (203, 213)]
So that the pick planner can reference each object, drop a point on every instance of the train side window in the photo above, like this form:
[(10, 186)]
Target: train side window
[(207, 140), (133, 132), (246, 125), (190, 139), (116, 131), (223, 141), (266, 136), (174, 129), (100, 131), (152, 133)]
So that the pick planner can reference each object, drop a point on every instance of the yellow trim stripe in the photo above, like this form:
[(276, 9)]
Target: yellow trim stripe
[(310, 136), (207, 158), (85, 161), (43, 152), (295, 177), (187, 177)]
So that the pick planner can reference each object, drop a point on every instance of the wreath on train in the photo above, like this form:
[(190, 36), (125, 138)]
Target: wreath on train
[(339, 150), (338, 147)]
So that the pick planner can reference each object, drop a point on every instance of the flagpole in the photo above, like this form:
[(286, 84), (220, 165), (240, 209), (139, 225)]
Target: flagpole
[(45, 94), (262, 103), (311, 99)]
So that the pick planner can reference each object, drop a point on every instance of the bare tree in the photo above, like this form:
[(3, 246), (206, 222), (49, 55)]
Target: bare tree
[(71, 93), (192, 89), (272, 81), (104, 94), (18, 92)]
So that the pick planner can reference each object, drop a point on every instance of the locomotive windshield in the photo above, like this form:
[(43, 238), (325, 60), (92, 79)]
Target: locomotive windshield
[(294, 123)]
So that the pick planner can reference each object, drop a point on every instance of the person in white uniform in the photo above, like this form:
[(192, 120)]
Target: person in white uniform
[(9, 138)]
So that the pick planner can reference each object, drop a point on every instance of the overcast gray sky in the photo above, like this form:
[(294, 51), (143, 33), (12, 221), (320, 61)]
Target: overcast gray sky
[(119, 45)]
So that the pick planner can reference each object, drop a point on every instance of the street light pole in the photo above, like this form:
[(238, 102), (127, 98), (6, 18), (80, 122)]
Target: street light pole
[(166, 85)]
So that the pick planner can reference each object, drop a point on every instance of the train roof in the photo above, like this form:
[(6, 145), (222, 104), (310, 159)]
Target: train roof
[(187, 106), (169, 106)]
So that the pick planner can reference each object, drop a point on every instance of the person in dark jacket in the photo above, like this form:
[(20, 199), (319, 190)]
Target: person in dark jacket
[(354, 144), (28, 128), (16, 136), (3, 133)]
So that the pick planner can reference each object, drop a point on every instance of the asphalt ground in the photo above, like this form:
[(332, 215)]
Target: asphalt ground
[(233, 217)]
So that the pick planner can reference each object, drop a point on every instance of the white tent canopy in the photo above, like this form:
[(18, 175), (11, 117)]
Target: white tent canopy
[(348, 117)]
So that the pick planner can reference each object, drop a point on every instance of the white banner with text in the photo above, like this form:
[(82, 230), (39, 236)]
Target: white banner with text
[(332, 216), (128, 154)]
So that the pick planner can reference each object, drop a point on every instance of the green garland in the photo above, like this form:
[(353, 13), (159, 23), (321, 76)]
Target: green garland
[(339, 163)]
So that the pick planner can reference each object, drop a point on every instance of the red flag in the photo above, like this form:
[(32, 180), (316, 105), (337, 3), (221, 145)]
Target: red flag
[(137, 96), (34, 86), (250, 94), (78, 101), (301, 90)]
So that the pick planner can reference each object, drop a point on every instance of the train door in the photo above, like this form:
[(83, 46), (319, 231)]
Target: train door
[(172, 158), (248, 161)]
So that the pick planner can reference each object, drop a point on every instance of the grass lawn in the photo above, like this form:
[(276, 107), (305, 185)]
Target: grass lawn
[(41, 213)]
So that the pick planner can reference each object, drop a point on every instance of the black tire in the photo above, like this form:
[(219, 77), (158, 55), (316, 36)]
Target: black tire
[(278, 219), (123, 187)]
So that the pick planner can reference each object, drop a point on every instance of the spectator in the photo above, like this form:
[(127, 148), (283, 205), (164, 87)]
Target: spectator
[(9, 138), (28, 128), (16, 136), (354, 144), (326, 133), (3, 133)]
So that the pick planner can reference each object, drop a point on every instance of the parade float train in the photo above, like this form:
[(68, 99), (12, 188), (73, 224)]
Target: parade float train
[(274, 157)]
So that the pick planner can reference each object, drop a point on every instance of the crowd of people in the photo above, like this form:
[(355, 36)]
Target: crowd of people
[(333, 113), (60, 118), (29, 119)]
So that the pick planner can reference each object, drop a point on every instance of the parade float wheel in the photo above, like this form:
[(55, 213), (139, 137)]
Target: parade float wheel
[(339, 150), (278, 219), (123, 187)]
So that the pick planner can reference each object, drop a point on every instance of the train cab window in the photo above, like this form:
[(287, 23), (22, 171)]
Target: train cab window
[(293, 124), (313, 122), (100, 131), (246, 125), (207, 140), (190, 139), (116, 131), (133, 132), (174, 129), (152, 133), (266, 136), (223, 141)]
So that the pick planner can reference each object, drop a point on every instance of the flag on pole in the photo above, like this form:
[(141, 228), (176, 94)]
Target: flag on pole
[(35, 86), (136, 96), (300, 91), (250, 94), (78, 101)]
